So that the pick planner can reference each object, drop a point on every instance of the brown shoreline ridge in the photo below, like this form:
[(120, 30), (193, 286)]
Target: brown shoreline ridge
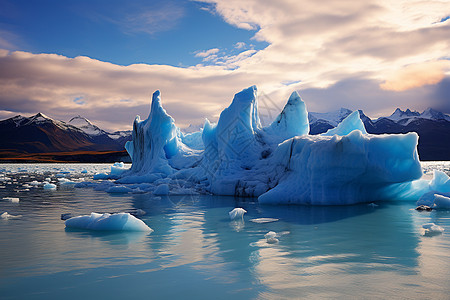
[(65, 157)]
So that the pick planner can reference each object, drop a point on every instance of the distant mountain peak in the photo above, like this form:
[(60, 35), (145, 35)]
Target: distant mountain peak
[(80, 118), (86, 126), (332, 117)]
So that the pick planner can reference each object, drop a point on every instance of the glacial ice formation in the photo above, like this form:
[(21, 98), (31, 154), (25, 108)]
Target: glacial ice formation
[(279, 163), (108, 222), (237, 213)]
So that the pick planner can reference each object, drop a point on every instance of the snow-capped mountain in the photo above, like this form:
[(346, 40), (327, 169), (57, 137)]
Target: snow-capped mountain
[(333, 117), (408, 116), (42, 134), (86, 125), (432, 126)]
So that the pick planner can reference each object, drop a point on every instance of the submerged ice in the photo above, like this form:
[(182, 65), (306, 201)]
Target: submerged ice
[(280, 163), (108, 222)]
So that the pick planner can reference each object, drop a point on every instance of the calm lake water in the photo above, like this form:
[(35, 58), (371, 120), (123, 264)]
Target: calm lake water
[(196, 252)]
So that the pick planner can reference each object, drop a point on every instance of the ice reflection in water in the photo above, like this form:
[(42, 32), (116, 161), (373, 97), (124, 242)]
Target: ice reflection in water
[(195, 251)]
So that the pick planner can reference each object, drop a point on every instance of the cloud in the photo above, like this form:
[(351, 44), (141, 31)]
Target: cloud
[(416, 75), (139, 17), (240, 45), (207, 53), (154, 19), (337, 54), (8, 40)]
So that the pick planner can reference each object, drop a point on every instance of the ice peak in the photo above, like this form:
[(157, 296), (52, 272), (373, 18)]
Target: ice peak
[(350, 123), (292, 121), (156, 103), (294, 98), (247, 95)]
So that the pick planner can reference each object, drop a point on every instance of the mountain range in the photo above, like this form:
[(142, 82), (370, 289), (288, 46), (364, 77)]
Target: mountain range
[(433, 128), (41, 134)]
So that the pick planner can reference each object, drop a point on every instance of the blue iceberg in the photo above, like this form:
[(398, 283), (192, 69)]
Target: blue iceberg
[(280, 163)]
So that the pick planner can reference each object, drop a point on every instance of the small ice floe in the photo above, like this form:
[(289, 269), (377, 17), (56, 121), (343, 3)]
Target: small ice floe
[(49, 186), (118, 168), (34, 183), (11, 199), (84, 171), (48, 179), (65, 181), (432, 229), (6, 216), (271, 237), (372, 205), (423, 208), (138, 191), (108, 222), (162, 189), (100, 176), (118, 189), (237, 213), (264, 220), (441, 202)]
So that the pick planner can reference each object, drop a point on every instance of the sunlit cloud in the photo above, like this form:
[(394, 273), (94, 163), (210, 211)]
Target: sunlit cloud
[(360, 51), (207, 52), (416, 75)]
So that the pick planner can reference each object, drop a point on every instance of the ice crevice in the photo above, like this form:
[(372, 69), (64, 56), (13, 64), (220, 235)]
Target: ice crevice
[(280, 163)]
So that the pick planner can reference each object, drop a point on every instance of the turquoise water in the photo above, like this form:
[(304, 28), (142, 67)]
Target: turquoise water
[(196, 252)]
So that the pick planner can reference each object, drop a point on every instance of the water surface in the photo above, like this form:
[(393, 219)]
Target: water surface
[(359, 251)]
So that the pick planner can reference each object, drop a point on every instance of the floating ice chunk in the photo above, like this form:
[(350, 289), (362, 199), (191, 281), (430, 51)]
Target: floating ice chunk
[(65, 181), (6, 216), (264, 220), (271, 237), (432, 229), (84, 171), (162, 189), (108, 222), (34, 183), (100, 176), (372, 205), (350, 123), (118, 168), (237, 213), (441, 202), (49, 186), (138, 191), (119, 189), (48, 179), (11, 199)]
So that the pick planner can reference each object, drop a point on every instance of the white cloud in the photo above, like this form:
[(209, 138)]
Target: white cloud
[(312, 47), (240, 45), (207, 53)]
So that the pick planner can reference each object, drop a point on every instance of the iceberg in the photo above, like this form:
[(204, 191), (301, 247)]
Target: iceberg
[(108, 222), (280, 163)]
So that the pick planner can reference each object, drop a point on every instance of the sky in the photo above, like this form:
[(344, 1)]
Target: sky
[(104, 59)]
